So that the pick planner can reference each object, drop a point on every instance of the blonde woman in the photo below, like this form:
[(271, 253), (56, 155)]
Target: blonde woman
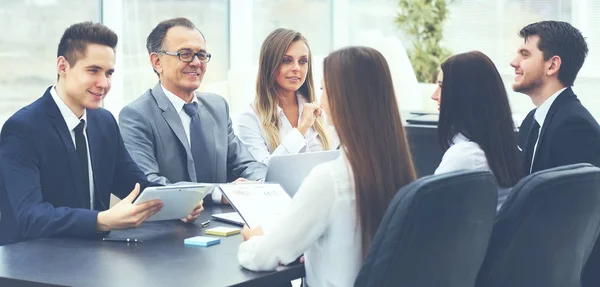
[(333, 217), (284, 117)]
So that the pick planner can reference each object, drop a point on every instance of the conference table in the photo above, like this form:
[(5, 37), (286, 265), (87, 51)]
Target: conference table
[(161, 259)]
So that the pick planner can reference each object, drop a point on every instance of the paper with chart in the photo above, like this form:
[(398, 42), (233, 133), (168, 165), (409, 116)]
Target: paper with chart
[(257, 203)]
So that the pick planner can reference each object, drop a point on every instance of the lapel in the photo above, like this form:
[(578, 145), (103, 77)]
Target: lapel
[(566, 95), (60, 126), (174, 121), (95, 144), (208, 131)]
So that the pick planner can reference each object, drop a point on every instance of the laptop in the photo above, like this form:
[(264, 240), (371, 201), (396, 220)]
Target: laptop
[(290, 170)]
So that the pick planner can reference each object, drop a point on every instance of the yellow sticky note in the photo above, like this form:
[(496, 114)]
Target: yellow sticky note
[(222, 231)]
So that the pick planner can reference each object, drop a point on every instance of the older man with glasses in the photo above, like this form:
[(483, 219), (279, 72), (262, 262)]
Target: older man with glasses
[(176, 134)]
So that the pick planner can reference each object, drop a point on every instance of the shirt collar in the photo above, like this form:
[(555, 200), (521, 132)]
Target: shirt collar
[(70, 118), (459, 138), (542, 110), (301, 102), (176, 101)]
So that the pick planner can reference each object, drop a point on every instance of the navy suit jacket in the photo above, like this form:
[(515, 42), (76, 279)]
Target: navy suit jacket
[(570, 135), (41, 194)]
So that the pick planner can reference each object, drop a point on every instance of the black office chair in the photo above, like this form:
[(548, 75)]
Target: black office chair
[(545, 230), (424, 148), (591, 270), (434, 233)]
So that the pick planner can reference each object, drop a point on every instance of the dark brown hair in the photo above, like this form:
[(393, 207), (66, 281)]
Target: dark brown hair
[(558, 38), (74, 41), (474, 103)]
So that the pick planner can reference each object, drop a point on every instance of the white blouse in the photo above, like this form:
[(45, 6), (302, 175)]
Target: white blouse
[(249, 131), (321, 223), (463, 154)]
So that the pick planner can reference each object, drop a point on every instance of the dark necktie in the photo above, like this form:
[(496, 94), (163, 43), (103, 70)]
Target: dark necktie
[(82, 153), (197, 144), (530, 145)]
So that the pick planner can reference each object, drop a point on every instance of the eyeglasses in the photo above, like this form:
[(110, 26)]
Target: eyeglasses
[(188, 56)]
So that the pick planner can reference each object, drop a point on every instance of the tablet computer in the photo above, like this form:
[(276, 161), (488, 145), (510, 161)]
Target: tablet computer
[(178, 200)]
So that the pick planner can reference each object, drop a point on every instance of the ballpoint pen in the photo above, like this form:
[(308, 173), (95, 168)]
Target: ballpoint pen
[(127, 240)]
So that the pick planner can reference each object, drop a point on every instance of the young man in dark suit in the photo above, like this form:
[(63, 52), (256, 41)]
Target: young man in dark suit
[(62, 156), (560, 131)]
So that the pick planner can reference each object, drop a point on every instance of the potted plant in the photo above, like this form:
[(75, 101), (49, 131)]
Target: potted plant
[(423, 21)]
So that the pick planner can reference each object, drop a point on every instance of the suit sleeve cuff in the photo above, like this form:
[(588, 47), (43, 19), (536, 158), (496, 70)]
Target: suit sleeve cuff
[(89, 221)]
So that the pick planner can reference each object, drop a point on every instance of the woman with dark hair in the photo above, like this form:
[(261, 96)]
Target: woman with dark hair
[(475, 127), (335, 213)]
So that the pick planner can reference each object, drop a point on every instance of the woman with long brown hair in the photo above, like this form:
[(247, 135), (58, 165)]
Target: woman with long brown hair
[(334, 215), (284, 117)]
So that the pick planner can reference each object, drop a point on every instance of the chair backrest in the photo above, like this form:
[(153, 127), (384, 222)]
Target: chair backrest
[(434, 232), (545, 230), (424, 148)]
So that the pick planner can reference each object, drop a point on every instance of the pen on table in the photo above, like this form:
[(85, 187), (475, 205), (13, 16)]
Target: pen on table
[(205, 223), (128, 240)]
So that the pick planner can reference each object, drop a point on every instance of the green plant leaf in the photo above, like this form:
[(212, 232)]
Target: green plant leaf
[(423, 22)]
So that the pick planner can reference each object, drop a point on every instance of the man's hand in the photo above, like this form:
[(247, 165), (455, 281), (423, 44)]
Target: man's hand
[(195, 213), (126, 215), (247, 232)]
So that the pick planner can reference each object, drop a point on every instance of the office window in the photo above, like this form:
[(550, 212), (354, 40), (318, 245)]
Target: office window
[(312, 18), (493, 26), (140, 17), (30, 35), (368, 18)]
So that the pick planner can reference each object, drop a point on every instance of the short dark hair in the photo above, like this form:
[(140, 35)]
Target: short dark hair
[(77, 37), (474, 103), (561, 39), (154, 42)]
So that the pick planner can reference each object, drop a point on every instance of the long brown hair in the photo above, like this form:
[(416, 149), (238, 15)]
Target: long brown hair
[(365, 114), (265, 103)]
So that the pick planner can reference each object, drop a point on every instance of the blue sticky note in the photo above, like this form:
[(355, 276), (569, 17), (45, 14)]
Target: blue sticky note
[(202, 241)]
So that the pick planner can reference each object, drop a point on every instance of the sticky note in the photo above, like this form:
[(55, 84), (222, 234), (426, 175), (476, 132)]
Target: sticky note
[(201, 241), (222, 231)]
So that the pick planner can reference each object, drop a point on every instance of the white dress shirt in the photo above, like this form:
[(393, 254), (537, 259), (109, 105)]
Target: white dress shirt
[(321, 223), (72, 121), (249, 131), (540, 117), (463, 154), (178, 103)]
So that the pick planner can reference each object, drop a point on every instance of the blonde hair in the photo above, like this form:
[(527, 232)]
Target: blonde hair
[(266, 101)]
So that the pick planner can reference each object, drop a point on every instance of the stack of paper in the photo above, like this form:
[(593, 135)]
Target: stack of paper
[(257, 203)]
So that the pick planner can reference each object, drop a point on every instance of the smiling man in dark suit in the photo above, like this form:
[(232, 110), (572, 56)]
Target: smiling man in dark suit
[(62, 156), (560, 131)]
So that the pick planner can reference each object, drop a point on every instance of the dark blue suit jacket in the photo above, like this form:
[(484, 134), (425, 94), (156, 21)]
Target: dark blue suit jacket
[(40, 194), (570, 135)]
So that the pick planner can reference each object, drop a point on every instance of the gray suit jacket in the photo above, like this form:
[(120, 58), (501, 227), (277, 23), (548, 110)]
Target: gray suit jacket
[(154, 136)]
